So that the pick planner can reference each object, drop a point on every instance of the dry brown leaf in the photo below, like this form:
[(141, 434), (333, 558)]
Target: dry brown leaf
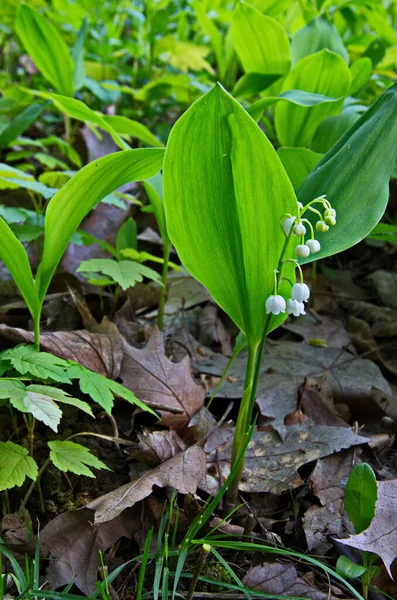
[(319, 328), (154, 378), (182, 472), (281, 579), (272, 463), (99, 352), (155, 447), (381, 535), (317, 403), (212, 332)]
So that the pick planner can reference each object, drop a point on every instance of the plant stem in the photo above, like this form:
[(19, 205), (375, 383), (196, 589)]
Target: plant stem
[(66, 120), (242, 425), (202, 559), (163, 292), (31, 488), (36, 329)]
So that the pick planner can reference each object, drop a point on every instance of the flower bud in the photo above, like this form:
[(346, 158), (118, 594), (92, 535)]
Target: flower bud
[(300, 292), (296, 308), (287, 225), (330, 212), (321, 227), (302, 251), (275, 305), (299, 229), (329, 220), (314, 246)]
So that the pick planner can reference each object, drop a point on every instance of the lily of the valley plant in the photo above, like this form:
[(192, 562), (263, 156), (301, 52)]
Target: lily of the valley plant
[(239, 228)]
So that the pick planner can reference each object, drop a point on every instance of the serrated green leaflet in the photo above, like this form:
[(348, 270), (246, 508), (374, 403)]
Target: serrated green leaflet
[(61, 396), (81, 194), (224, 192), (15, 465), (125, 272), (322, 73), (47, 48), (93, 385), (43, 408), (260, 41), (25, 359), (68, 456), (355, 175)]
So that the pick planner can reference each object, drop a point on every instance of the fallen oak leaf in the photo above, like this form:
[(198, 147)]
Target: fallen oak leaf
[(183, 472), (155, 379), (381, 536), (155, 447)]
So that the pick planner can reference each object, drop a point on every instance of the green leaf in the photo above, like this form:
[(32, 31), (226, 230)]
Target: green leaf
[(209, 27), (94, 385), (61, 396), (8, 386), (74, 201), (225, 190), (252, 84), (361, 494), (355, 175), (21, 122), (315, 36), (13, 178), (348, 568), (42, 365), (68, 456), (298, 162), (332, 128), (15, 465), (78, 55), (134, 129), (126, 394), (41, 406), (127, 235), (154, 190), (14, 256), (261, 42), (47, 49), (125, 272), (298, 97), (384, 232), (321, 73), (76, 109), (361, 71)]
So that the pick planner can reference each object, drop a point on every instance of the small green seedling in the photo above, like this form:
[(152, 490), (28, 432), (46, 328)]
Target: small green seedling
[(361, 494)]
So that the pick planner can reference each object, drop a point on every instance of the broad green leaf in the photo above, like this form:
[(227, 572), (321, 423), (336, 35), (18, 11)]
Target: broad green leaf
[(252, 84), (355, 175), (361, 494), (361, 71), (42, 365), (154, 190), (125, 272), (127, 236), (68, 456), (47, 49), (297, 97), (225, 190), (15, 465), (14, 178), (315, 36), (61, 396), (322, 73), (298, 162), (21, 122), (384, 232), (78, 55), (261, 42), (347, 568), (14, 256), (125, 126), (74, 201), (208, 26), (42, 407), (76, 109), (332, 128)]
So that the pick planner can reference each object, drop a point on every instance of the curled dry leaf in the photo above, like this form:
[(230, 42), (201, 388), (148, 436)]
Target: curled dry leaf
[(281, 579), (381, 535), (182, 472), (99, 352), (155, 447), (154, 378)]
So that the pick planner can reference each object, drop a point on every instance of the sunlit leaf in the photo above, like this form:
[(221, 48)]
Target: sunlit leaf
[(68, 456), (15, 465)]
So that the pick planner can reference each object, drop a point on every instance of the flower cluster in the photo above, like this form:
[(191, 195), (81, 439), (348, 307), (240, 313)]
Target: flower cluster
[(297, 226)]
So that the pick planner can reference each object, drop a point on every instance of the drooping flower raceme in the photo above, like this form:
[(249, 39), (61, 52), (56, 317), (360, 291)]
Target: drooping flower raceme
[(295, 226)]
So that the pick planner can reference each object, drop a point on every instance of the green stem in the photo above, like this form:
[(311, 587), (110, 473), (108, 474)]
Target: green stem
[(242, 426), (163, 292), (36, 329)]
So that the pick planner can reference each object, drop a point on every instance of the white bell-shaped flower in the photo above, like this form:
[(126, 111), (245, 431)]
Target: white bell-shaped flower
[(330, 212), (287, 225), (275, 305), (299, 229), (330, 220), (300, 292), (314, 246), (302, 251), (296, 308)]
